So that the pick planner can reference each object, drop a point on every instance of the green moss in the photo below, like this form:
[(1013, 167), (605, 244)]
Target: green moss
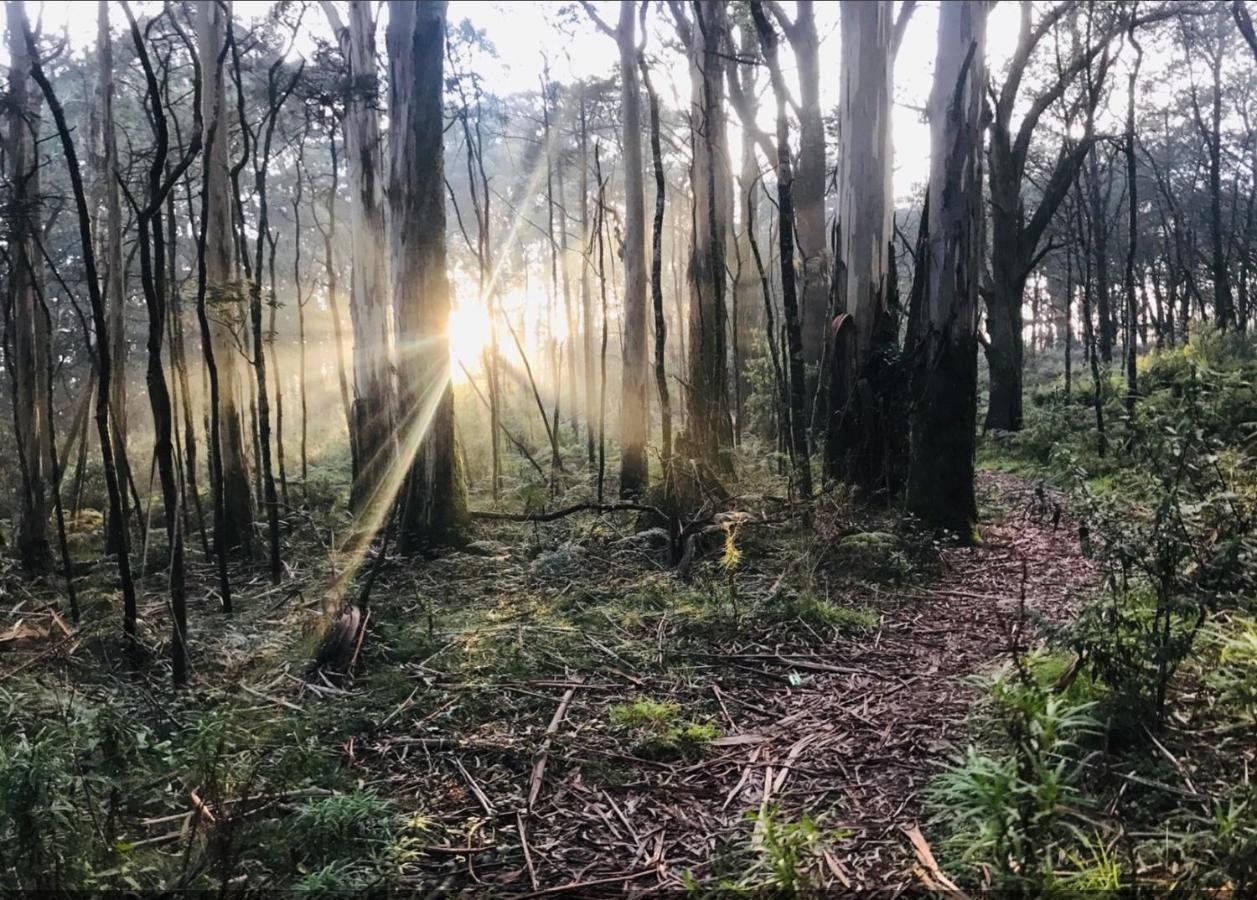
[(644, 712), (681, 742), (872, 554), (820, 613)]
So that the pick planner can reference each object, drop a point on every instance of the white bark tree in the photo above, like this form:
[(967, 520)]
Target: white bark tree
[(374, 404), (225, 297)]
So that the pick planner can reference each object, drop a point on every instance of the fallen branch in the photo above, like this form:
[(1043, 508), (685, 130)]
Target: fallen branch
[(539, 766)]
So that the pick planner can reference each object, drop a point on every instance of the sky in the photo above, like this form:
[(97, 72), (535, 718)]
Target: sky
[(522, 30)]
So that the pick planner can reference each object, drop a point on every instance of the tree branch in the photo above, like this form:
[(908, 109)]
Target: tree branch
[(901, 25)]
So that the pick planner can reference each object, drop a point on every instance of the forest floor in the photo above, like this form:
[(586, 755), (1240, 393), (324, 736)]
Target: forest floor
[(558, 710)]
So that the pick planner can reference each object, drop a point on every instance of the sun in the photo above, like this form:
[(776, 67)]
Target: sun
[(469, 335)]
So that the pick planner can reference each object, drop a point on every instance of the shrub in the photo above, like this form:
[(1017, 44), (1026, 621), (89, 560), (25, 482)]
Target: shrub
[(342, 826), (1011, 803)]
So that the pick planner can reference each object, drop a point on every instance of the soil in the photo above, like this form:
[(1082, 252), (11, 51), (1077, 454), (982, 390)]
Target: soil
[(846, 731)]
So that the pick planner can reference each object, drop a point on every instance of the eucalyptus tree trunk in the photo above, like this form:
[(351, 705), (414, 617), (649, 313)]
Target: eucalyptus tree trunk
[(275, 101), (1107, 329), (1223, 302), (222, 293), (586, 292), (28, 329), (106, 153), (277, 379), (328, 232), (794, 367), (569, 315), (374, 403), (861, 446), (809, 175), (745, 307), (434, 496), (709, 428), (556, 376), (944, 408), (1132, 209), (634, 419), (656, 284)]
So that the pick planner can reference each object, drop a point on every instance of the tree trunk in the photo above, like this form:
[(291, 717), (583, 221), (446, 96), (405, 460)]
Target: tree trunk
[(434, 497), (586, 292), (374, 396), (1223, 305), (1009, 269), (29, 330), (809, 179), (709, 429), (944, 408), (656, 285), (785, 236), (224, 299), (634, 421), (20, 61), (858, 437), (275, 101), (111, 246), (333, 306), (1106, 328), (1132, 207)]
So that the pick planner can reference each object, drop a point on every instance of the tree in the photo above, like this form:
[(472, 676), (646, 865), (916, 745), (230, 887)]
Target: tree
[(944, 387), (28, 329), (656, 273), (223, 294), (709, 429), (809, 175), (858, 433), (24, 59), (1213, 42), (260, 151), (634, 411), (374, 395), (433, 495), (1016, 233), (796, 391), (105, 147), (151, 239)]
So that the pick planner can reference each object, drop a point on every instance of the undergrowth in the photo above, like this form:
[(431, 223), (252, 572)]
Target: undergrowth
[(1121, 758)]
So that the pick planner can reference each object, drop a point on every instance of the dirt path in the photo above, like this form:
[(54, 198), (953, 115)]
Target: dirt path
[(849, 732)]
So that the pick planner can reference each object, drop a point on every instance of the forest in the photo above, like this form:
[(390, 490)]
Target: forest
[(596, 448)]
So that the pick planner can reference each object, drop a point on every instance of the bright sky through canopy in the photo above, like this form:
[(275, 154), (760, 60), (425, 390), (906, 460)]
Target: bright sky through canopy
[(525, 33)]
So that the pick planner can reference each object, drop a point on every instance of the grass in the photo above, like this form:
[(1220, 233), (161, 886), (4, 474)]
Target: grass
[(819, 613)]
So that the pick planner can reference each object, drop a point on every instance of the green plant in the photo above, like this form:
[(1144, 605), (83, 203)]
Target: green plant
[(37, 813), (729, 561), (1233, 671), (872, 555), (1232, 839), (1012, 803), (337, 878), (787, 853), (681, 741), (820, 613), (342, 826)]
